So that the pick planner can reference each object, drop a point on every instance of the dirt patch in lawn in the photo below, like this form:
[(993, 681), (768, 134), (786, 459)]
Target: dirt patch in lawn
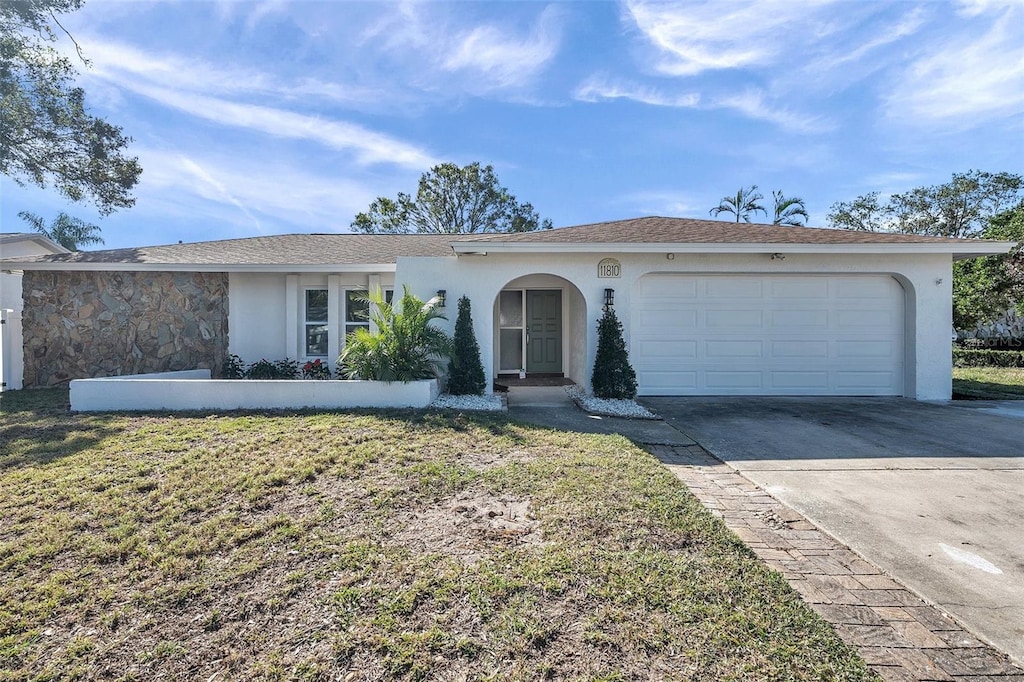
[(471, 524)]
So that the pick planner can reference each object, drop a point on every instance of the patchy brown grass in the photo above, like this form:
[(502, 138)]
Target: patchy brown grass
[(362, 546)]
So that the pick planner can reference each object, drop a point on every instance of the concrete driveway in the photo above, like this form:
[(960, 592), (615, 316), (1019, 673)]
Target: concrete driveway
[(931, 493)]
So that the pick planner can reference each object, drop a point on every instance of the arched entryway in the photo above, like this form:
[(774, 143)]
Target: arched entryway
[(540, 329)]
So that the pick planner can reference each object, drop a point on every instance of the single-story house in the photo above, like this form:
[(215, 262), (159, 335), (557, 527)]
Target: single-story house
[(707, 307), (16, 245)]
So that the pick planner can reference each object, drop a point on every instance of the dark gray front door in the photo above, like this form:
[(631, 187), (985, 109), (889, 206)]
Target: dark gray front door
[(544, 331)]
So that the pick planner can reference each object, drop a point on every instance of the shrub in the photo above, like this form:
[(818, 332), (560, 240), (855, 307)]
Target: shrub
[(233, 367), (265, 369), (964, 357), (613, 376), (466, 376), (405, 346), (316, 370)]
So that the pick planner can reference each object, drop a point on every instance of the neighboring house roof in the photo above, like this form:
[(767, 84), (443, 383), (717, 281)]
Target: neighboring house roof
[(9, 239), (369, 252)]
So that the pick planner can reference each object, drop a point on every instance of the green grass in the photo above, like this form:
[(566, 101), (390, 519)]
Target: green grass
[(994, 383), (307, 546)]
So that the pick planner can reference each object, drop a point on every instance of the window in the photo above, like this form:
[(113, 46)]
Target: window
[(315, 323), (357, 310)]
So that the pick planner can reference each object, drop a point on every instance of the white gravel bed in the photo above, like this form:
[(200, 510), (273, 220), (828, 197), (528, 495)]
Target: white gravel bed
[(484, 403), (608, 407)]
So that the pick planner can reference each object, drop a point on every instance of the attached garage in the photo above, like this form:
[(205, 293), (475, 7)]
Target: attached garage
[(768, 335)]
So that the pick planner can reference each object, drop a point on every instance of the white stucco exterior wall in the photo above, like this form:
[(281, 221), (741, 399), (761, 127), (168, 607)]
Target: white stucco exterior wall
[(926, 280), (265, 311)]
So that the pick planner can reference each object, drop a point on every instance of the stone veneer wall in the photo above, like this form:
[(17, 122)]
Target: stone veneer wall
[(92, 324)]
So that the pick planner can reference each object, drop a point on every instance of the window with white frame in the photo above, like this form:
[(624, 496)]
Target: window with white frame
[(357, 310), (315, 326)]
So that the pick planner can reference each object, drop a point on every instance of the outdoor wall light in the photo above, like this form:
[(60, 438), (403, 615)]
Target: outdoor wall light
[(778, 256), (609, 297), (670, 256), (441, 294)]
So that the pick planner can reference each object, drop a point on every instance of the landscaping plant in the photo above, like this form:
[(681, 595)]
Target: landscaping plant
[(466, 376), (613, 376), (405, 346), (315, 369)]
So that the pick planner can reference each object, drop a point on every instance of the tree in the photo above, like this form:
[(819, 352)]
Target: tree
[(71, 233), (466, 376), (741, 205), (863, 214), (613, 376), (985, 288), (789, 210), (451, 199), (405, 346), (47, 134), (959, 208)]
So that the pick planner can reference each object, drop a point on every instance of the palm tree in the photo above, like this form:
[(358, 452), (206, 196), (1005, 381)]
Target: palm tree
[(789, 211), (69, 232), (741, 205), (405, 346)]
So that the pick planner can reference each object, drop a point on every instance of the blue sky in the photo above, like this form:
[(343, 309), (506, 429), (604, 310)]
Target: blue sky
[(254, 118)]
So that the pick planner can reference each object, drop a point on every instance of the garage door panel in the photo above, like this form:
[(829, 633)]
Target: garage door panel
[(864, 349), (804, 319), (720, 348), (801, 381), (731, 380), (724, 287), (800, 288), (859, 319), (769, 334), (674, 381), (787, 349), (733, 319)]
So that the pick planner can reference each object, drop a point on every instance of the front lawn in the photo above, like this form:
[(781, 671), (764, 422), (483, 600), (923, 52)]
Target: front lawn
[(995, 383), (410, 545)]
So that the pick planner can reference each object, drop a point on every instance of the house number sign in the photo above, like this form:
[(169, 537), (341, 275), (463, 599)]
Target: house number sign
[(609, 268)]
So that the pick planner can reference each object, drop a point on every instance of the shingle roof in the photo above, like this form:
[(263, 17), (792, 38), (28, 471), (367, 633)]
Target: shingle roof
[(284, 249), (659, 230), (376, 249)]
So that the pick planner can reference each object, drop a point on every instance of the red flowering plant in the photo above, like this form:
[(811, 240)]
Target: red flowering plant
[(315, 369)]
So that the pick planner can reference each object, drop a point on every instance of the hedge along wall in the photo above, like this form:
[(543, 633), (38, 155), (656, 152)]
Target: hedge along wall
[(78, 325)]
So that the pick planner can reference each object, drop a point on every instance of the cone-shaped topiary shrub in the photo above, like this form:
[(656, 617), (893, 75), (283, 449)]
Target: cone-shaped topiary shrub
[(613, 375), (466, 376)]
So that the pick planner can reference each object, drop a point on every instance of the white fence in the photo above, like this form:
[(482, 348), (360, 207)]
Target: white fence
[(195, 390)]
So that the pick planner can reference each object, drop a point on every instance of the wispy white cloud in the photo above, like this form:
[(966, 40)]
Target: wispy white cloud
[(974, 77), (183, 84), (503, 58), (206, 187), (367, 146), (113, 61), (435, 45), (663, 202), (599, 87), (693, 37), (752, 104)]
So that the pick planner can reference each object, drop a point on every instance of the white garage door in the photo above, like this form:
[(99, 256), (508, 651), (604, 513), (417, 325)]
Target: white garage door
[(768, 335)]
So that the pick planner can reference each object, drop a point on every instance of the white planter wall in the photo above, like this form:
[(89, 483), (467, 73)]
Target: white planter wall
[(194, 390)]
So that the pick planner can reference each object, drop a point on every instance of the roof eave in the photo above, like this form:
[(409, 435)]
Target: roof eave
[(965, 249)]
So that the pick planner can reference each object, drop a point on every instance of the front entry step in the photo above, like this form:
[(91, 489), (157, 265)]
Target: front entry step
[(504, 382)]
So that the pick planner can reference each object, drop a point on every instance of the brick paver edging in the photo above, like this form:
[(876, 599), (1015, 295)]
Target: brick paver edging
[(899, 635)]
